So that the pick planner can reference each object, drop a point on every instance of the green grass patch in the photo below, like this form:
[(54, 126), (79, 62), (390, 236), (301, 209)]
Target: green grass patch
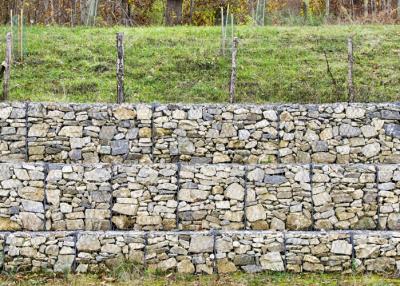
[(154, 279), (183, 64)]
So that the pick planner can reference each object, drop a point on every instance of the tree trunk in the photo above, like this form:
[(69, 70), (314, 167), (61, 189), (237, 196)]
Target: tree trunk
[(173, 15), (327, 6), (398, 9), (365, 8), (389, 7)]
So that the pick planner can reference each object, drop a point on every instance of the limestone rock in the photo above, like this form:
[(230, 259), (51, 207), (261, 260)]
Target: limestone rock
[(272, 261), (88, 243), (255, 213), (200, 244), (341, 247)]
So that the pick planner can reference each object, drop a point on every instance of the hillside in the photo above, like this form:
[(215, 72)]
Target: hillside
[(182, 64)]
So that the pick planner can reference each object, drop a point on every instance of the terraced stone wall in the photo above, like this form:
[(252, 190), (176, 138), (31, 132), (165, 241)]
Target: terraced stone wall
[(245, 134)]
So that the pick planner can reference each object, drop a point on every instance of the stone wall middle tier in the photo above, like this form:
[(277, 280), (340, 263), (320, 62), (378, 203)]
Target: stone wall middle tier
[(244, 134), (202, 252), (193, 197)]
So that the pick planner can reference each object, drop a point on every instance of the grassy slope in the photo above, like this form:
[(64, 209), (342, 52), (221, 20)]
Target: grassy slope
[(276, 64), (226, 280)]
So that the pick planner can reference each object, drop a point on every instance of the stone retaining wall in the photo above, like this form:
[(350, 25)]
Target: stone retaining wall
[(246, 134), (202, 252), (101, 197), (200, 188)]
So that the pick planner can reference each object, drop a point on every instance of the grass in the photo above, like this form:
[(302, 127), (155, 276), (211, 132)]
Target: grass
[(183, 64), (279, 279)]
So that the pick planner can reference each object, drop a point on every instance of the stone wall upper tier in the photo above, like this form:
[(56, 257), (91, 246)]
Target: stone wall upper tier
[(163, 197), (245, 134), (202, 252)]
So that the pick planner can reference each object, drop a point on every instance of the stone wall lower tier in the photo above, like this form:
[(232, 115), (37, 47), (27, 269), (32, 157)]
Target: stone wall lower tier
[(101, 197), (202, 252), (246, 134)]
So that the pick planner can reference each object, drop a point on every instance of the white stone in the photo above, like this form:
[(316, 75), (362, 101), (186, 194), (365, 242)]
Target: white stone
[(341, 247)]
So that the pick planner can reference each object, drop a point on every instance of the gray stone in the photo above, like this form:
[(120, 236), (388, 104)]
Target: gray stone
[(38, 130), (201, 244), (272, 261), (32, 206), (64, 263), (255, 213), (275, 180), (349, 131), (392, 130), (71, 131), (235, 191), (31, 221), (119, 147), (320, 146), (98, 175), (371, 150), (107, 132), (88, 243), (186, 147), (256, 175)]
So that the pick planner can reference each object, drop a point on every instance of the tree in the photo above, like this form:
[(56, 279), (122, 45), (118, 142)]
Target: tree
[(173, 13)]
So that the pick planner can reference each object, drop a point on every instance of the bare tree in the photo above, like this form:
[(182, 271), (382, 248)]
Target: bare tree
[(365, 8), (327, 8), (173, 14), (398, 9)]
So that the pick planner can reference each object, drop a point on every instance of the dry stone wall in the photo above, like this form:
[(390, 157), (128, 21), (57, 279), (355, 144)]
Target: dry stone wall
[(22, 197), (78, 197), (102, 251), (211, 197), (164, 197), (319, 252), (377, 252), (340, 133), (53, 251), (145, 196), (200, 188), (216, 134), (13, 131), (202, 252), (279, 197), (345, 196), (68, 133), (246, 134)]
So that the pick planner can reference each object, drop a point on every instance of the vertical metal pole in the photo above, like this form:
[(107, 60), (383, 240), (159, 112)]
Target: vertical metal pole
[(12, 27), (234, 66), (263, 13), (7, 71), (21, 26), (222, 32), (350, 72), (120, 68), (232, 26)]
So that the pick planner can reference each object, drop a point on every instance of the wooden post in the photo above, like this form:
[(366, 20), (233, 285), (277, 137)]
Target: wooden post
[(234, 67), (223, 32), (350, 73), (120, 68), (7, 71)]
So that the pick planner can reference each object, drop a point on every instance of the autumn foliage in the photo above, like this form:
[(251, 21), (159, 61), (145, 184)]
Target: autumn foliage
[(195, 12)]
